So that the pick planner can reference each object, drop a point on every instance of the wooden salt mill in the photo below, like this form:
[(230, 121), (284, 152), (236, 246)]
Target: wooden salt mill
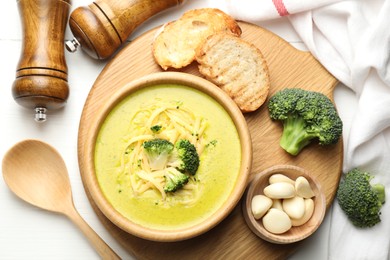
[(103, 26), (41, 77)]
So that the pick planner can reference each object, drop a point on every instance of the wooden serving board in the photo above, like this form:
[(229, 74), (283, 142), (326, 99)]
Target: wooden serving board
[(231, 239)]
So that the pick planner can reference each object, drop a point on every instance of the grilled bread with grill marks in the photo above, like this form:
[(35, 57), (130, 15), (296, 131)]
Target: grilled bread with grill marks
[(237, 67)]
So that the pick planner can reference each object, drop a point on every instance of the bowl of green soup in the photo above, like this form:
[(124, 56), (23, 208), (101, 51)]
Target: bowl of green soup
[(169, 157)]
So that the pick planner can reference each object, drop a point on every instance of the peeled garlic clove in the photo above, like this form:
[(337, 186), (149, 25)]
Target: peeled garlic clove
[(303, 189), (278, 177), (294, 207), (279, 190), (260, 205), (277, 204), (309, 210), (276, 221)]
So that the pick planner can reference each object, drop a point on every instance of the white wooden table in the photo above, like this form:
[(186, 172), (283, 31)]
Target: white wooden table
[(27, 232)]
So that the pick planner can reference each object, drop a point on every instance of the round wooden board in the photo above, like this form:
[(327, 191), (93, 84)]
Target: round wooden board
[(231, 239)]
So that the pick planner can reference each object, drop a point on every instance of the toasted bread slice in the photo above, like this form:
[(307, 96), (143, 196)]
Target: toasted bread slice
[(237, 67), (175, 46)]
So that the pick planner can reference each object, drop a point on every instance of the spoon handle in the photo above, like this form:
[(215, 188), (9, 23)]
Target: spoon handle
[(101, 247)]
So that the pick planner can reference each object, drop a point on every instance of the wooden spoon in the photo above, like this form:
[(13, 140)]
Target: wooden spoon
[(36, 173)]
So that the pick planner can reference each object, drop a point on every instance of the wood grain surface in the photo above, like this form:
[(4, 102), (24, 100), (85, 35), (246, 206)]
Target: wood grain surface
[(43, 181), (42, 74), (231, 239), (103, 26)]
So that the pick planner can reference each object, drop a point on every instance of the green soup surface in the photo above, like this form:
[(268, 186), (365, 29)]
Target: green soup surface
[(218, 170)]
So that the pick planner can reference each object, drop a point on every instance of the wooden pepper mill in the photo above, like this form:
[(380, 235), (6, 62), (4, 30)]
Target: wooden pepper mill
[(41, 75), (103, 26)]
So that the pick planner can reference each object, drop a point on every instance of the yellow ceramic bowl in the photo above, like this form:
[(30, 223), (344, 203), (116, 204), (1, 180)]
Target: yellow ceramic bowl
[(173, 234)]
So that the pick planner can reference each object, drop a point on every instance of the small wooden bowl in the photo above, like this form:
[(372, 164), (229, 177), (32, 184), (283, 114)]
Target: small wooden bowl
[(297, 233), (91, 182)]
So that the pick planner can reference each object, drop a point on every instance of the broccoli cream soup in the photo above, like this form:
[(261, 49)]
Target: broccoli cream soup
[(167, 157)]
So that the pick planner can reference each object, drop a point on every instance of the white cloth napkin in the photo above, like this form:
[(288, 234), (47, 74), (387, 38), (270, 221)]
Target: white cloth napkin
[(352, 40)]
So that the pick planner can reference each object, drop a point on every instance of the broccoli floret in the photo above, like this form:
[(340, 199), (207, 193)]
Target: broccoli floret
[(155, 128), (174, 180), (158, 151), (360, 200), (185, 157), (306, 115)]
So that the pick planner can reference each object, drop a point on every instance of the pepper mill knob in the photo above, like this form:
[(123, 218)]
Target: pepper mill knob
[(72, 45), (41, 76), (40, 114), (103, 26)]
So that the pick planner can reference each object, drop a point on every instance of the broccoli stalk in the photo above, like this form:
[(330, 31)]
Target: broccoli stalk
[(306, 115), (380, 192), (158, 151), (295, 137), (174, 180), (360, 200), (185, 157)]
